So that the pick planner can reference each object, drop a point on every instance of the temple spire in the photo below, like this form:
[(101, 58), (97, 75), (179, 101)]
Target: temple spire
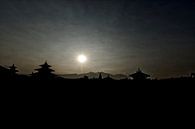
[(13, 69)]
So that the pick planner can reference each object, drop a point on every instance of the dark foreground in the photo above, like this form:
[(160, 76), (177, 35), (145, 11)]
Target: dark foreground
[(98, 83)]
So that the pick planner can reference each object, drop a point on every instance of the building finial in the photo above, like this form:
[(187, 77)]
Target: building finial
[(100, 76)]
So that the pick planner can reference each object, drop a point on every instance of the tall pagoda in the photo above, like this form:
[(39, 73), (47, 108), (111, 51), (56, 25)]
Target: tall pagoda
[(45, 72), (139, 75)]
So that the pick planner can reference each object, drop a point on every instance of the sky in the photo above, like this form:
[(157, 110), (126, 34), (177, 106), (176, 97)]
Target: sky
[(117, 36)]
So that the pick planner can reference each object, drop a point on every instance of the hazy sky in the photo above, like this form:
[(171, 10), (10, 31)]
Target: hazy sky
[(118, 36)]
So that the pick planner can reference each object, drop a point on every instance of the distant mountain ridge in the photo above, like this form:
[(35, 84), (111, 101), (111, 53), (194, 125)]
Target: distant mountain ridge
[(92, 75)]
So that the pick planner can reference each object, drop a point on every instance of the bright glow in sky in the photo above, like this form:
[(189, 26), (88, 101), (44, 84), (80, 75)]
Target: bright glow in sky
[(82, 59), (119, 36)]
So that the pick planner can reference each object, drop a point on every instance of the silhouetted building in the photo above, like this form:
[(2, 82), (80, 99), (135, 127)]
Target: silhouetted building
[(10, 74), (44, 73), (139, 75), (13, 70)]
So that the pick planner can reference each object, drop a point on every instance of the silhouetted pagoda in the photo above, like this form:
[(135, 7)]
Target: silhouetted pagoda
[(13, 70), (139, 75), (44, 73)]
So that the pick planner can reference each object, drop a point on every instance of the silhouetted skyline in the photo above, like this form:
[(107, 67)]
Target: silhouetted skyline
[(117, 36)]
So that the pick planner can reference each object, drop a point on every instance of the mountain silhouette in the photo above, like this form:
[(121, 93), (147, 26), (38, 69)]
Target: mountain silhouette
[(94, 75), (45, 73)]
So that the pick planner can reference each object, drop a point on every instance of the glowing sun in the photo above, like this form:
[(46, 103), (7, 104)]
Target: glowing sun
[(82, 59)]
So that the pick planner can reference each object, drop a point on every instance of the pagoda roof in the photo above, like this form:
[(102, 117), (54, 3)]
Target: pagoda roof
[(3, 68), (45, 68), (13, 66), (45, 65), (51, 70), (139, 73)]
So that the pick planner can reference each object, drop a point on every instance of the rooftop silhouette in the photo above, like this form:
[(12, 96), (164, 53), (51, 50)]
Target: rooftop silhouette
[(46, 73), (139, 75)]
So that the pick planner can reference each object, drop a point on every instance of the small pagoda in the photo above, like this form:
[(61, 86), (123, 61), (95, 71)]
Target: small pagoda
[(139, 75), (44, 73), (13, 70)]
